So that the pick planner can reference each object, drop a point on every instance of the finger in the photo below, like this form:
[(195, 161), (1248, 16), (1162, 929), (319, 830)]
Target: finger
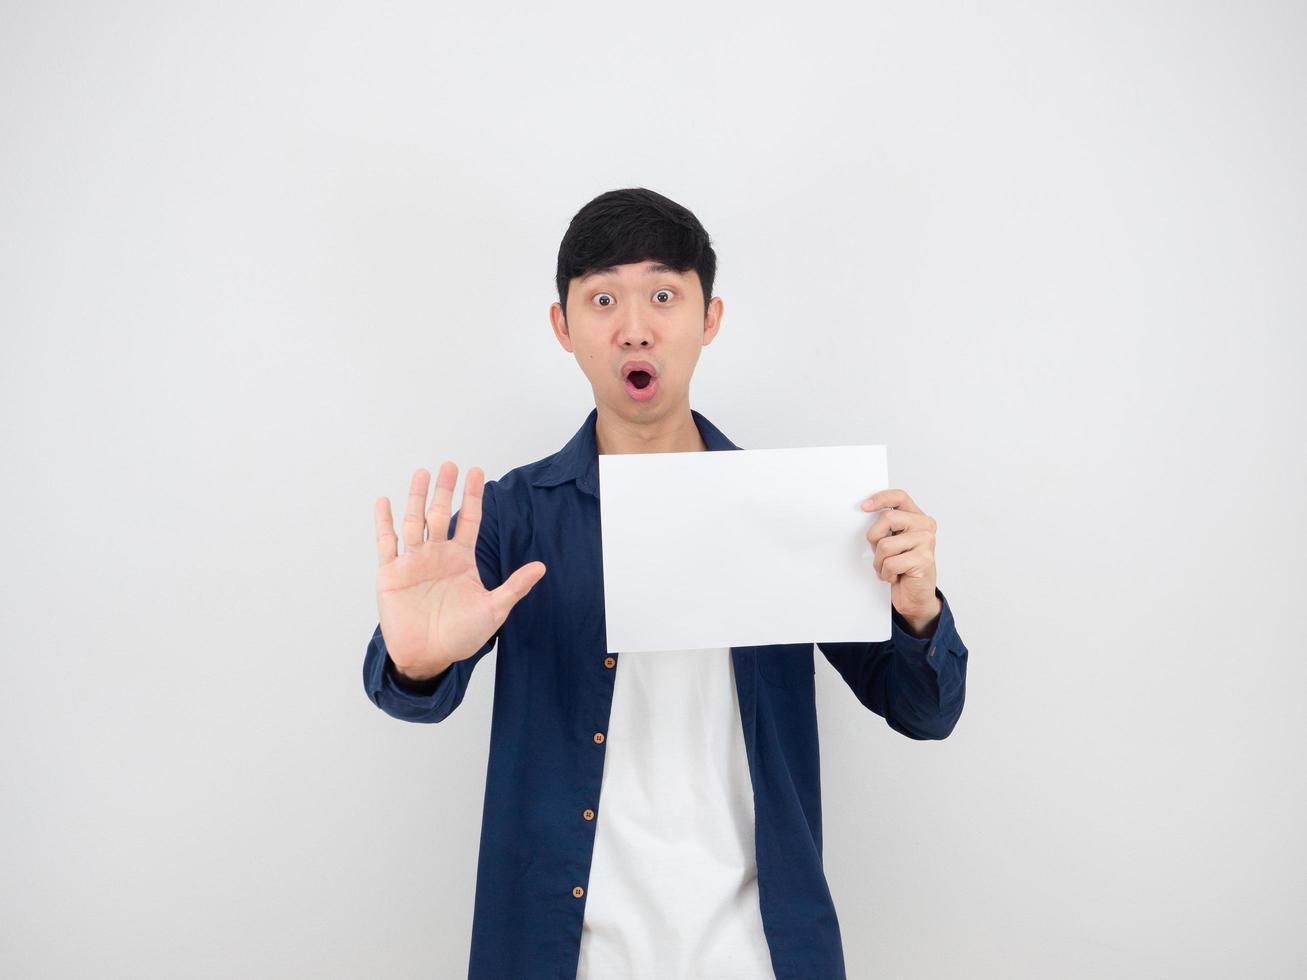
[(909, 563), (891, 498), (517, 585), (469, 514), (897, 521), (442, 499), (897, 544), (387, 543), (417, 498)]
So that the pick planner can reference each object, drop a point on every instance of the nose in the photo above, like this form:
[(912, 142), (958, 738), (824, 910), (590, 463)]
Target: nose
[(634, 331), (634, 334)]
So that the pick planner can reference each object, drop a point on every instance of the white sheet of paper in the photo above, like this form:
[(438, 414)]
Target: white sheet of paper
[(741, 547)]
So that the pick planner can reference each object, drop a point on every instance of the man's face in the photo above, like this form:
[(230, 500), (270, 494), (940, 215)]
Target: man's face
[(642, 311)]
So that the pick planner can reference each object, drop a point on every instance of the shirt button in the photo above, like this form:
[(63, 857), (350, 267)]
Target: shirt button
[(599, 737), (609, 662), (932, 651), (578, 891), (589, 814)]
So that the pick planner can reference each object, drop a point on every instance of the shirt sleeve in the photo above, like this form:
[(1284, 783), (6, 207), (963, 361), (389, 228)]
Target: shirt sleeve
[(433, 700), (917, 684)]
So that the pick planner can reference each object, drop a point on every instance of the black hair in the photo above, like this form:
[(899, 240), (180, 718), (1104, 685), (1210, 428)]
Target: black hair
[(634, 224)]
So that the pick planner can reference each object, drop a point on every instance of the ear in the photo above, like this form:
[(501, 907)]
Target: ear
[(558, 320), (712, 320)]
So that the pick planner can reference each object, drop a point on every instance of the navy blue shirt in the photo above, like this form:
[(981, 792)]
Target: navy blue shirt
[(553, 691)]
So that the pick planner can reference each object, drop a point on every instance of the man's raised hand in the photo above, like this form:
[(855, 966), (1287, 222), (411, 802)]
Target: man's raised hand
[(433, 608)]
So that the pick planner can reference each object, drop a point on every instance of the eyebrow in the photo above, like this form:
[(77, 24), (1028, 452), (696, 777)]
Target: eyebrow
[(653, 268)]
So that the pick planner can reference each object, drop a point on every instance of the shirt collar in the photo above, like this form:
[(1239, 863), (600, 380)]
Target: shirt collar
[(579, 459)]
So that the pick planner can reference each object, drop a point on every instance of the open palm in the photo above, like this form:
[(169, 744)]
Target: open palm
[(433, 608)]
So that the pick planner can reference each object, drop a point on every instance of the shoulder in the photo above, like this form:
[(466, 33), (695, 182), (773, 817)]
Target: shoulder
[(513, 491), (520, 479)]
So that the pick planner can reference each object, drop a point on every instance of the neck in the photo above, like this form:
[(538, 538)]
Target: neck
[(675, 433)]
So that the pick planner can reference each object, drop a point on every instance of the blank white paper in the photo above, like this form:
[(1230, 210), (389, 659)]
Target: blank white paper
[(741, 548)]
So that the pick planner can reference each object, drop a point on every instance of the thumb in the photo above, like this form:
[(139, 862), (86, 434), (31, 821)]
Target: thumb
[(515, 587)]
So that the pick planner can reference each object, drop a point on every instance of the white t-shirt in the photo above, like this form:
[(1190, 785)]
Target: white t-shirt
[(673, 888)]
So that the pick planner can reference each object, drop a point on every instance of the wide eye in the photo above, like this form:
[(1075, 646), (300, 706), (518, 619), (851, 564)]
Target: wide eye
[(604, 299), (663, 296)]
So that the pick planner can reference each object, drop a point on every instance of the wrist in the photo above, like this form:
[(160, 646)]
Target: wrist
[(923, 626), (417, 680)]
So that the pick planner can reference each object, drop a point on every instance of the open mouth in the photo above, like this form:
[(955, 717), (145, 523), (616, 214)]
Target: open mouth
[(641, 380)]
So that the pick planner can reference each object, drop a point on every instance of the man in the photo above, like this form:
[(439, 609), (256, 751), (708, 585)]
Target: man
[(651, 815)]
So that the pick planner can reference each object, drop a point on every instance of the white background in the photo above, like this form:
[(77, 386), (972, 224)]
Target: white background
[(260, 262)]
